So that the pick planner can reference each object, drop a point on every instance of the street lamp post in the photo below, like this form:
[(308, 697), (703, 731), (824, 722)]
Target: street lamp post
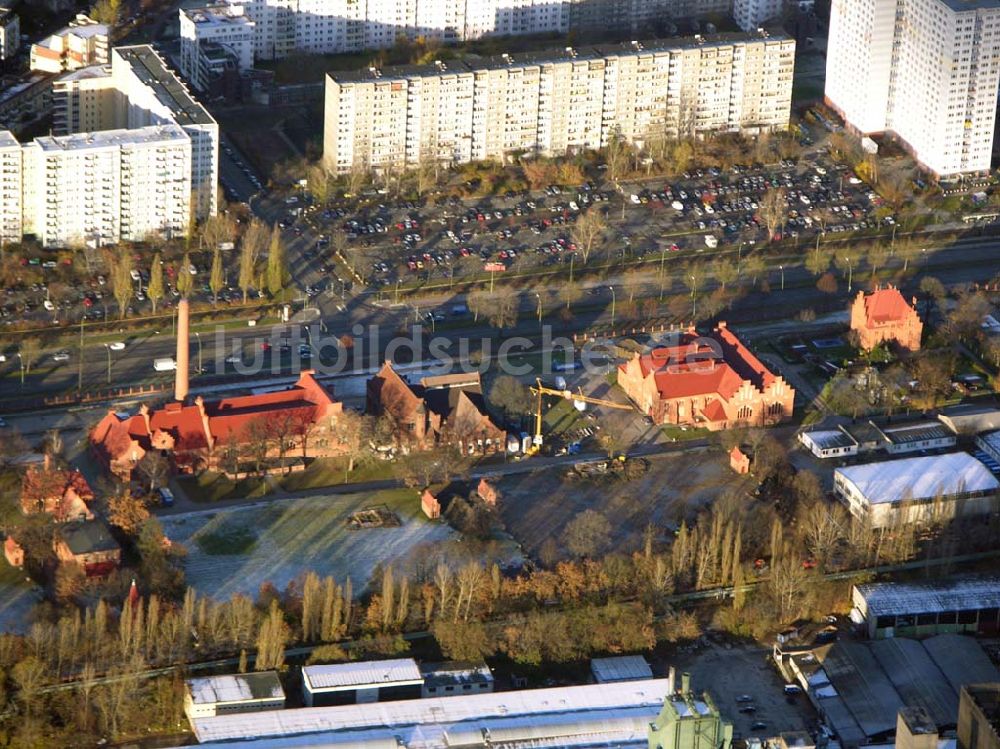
[(613, 299), (663, 256), (20, 362), (850, 273), (694, 297), (107, 348), (197, 337), (79, 371), (539, 298), (782, 269)]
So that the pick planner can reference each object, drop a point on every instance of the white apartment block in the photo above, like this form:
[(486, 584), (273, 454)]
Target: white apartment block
[(552, 104), (151, 94), (10, 34), (214, 28), (283, 27), (107, 186), (135, 155), (84, 101), (751, 14), (11, 213), (926, 71), (84, 42)]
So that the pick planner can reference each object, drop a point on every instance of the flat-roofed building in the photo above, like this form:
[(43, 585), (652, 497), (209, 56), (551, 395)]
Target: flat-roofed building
[(556, 102), (921, 489), (131, 149), (214, 26), (232, 693), (578, 716), (361, 682), (979, 717), (829, 443), (970, 418), (11, 207), (10, 33), (453, 679), (919, 609), (84, 42), (619, 668), (84, 100)]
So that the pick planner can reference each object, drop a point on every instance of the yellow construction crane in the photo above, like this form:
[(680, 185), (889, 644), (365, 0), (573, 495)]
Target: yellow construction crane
[(578, 398)]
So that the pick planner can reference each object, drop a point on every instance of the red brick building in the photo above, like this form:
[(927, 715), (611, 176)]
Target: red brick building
[(884, 315), (63, 494), (447, 409), (711, 381), (89, 544), (201, 435)]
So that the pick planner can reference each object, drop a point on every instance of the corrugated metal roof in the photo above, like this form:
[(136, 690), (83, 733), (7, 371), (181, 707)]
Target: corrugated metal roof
[(365, 673), (918, 680), (621, 668), (961, 659), (952, 594), (430, 718)]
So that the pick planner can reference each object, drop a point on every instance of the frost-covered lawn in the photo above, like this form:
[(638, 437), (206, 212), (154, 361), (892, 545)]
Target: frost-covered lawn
[(236, 550), (17, 597)]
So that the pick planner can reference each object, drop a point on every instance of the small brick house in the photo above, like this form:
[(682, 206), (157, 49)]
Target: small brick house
[(63, 494), (13, 552), (430, 505), (884, 315), (88, 543), (739, 461)]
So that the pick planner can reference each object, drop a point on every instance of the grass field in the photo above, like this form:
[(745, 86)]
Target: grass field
[(236, 550), (208, 487), (17, 597), (332, 471)]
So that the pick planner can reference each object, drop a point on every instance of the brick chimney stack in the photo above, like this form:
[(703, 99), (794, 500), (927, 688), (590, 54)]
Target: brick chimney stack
[(183, 353)]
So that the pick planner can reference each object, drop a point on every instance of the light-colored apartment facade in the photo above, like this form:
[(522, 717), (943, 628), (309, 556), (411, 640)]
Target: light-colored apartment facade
[(107, 186), (10, 33), (214, 27), (135, 155), (283, 27), (552, 104), (84, 101), (926, 71), (84, 42)]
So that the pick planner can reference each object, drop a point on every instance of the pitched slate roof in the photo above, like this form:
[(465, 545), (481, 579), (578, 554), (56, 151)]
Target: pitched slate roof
[(87, 537)]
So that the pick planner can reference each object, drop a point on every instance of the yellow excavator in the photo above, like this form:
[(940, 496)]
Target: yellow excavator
[(579, 399)]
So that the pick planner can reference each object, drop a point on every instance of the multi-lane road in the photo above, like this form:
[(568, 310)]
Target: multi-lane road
[(968, 261)]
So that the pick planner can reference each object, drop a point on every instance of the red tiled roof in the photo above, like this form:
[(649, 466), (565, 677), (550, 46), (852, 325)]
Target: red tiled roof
[(886, 305), (227, 418), (696, 367), (39, 484), (395, 395), (714, 411)]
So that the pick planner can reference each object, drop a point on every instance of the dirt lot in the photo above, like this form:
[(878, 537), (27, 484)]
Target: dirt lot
[(727, 673), (539, 504)]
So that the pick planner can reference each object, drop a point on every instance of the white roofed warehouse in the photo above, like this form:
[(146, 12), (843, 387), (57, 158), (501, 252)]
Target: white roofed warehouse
[(368, 681), (232, 693), (920, 609), (913, 490)]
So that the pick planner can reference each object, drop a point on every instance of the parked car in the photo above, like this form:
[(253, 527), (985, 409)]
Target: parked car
[(166, 496)]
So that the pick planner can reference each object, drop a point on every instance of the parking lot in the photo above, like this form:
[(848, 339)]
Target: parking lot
[(733, 673), (387, 242)]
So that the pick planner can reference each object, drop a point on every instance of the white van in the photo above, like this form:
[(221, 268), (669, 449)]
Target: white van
[(165, 364)]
